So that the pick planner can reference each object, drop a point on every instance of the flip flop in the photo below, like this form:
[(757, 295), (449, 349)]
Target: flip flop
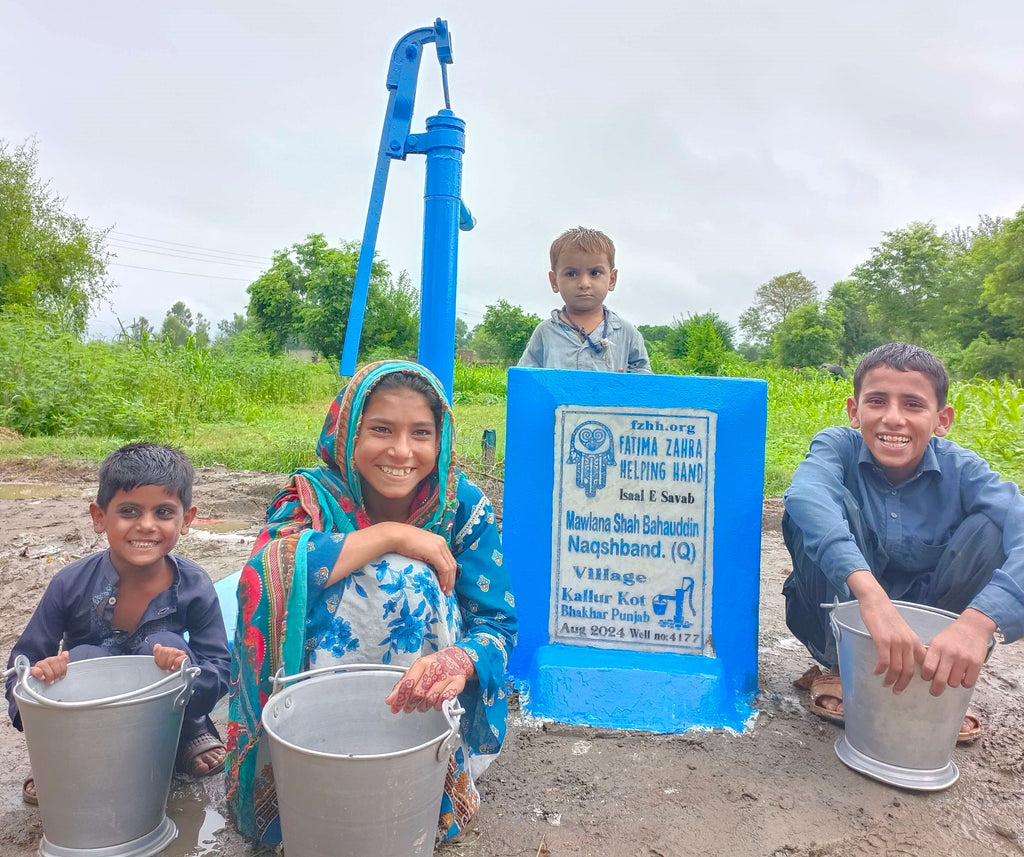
[(828, 684), (972, 732), (30, 797), (191, 750)]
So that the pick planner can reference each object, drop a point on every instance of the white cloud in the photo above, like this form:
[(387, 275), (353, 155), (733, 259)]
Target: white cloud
[(718, 144)]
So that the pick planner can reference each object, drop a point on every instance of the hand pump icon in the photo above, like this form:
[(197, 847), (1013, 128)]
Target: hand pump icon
[(444, 213), (683, 596)]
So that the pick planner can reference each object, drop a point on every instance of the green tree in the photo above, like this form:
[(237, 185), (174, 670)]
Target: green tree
[(654, 332), (857, 337), (685, 336), (775, 300), (808, 336), (49, 260), (179, 326), (227, 330), (903, 280), (509, 329), (461, 333), (990, 359), (707, 351), (304, 299), (967, 313), (484, 346), (174, 331), (140, 330), (391, 326), (1003, 290)]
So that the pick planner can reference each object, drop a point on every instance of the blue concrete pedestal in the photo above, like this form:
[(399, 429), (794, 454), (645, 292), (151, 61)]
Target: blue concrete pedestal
[(596, 497), (615, 689)]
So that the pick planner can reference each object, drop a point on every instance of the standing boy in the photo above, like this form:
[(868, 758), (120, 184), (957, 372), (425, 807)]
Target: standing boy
[(895, 512), (137, 598), (584, 333)]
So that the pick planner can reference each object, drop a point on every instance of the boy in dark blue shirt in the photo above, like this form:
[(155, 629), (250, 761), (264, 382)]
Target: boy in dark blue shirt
[(137, 597), (889, 510)]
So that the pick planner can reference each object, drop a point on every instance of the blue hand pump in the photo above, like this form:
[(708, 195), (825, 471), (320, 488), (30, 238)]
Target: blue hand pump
[(444, 213)]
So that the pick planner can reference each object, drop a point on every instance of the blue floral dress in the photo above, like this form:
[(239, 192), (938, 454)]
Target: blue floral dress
[(390, 611)]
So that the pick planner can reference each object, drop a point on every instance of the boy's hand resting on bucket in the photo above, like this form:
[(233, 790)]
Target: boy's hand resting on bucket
[(168, 658), (956, 654), (953, 658), (899, 648), (431, 680), (51, 669)]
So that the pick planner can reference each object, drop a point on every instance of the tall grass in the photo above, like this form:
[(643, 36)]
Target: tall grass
[(51, 384), (253, 411), (990, 420)]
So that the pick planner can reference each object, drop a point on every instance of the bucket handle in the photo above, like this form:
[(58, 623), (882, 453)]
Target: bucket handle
[(279, 679), (187, 673), (837, 628), (452, 711), (832, 618), (450, 708)]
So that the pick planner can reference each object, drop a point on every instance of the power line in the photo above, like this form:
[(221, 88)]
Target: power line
[(181, 273), (181, 255), (190, 246)]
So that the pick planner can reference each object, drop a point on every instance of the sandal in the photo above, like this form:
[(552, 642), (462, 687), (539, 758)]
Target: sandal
[(191, 750), (828, 685), (970, 729), (28, 791)]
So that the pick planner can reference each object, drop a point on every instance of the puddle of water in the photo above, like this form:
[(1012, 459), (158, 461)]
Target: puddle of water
[(26, 491), (220, 525), (197, 822)]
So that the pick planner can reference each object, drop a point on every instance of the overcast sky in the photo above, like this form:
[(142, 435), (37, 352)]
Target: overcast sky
[(718, 143)]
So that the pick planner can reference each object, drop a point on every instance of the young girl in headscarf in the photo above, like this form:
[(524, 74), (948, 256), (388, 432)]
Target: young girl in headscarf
[(386, 553)]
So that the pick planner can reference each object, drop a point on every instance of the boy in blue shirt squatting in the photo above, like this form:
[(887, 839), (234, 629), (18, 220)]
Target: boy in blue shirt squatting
[(584, 333), (889, 510), (137, 598)]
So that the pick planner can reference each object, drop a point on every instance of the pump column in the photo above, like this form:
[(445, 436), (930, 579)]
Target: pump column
[(443, 143)]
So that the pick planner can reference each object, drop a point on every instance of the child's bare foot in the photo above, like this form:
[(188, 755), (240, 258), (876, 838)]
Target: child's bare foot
[(202, 756)]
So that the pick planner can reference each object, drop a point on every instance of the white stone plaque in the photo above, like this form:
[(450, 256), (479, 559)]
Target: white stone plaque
[(632, 536)]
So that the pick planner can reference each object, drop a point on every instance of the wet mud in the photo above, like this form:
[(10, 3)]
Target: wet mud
[(776, 790)]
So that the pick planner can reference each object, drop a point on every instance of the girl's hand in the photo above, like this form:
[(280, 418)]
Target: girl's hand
[(429, 548), (51, 669), (168, 658), (367, 544), (431, 680)]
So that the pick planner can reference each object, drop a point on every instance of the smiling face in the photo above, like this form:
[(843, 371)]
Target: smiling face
[(396, 449), (142, 527), (897, 414), (583, 280)]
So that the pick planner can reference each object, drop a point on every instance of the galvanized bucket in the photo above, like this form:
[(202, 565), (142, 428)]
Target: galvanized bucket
[(102, 743), (352, 778), (904, 739)]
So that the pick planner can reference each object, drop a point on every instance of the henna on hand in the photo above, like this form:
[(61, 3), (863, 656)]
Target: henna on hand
[(405, 687), (455, 661), (435, 672)]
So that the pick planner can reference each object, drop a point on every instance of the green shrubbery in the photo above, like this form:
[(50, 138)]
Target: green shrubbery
[(53, 384), (245, 409)]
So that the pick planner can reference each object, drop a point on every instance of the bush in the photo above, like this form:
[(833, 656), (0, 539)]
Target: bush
[(51, 383)]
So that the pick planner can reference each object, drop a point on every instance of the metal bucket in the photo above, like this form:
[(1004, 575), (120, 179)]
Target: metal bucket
[(904, 739), (352, 778), (102, 743)]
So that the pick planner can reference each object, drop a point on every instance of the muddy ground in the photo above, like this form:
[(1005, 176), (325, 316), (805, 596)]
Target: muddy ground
[(778, 789)]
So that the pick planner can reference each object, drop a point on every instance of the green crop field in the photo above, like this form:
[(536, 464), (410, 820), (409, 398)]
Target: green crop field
[(59, 396)]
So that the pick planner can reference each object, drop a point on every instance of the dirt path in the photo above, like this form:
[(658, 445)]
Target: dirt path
[(777, 789)]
